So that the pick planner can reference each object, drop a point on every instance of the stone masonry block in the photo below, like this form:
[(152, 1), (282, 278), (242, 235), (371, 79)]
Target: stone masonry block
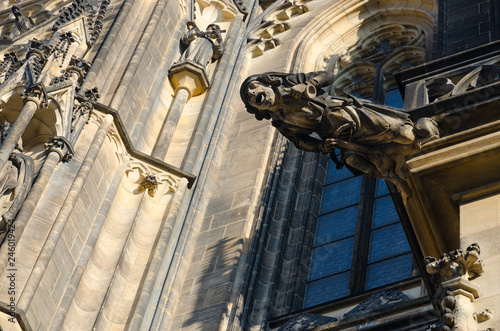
[(235, 230), (215, 278), (235, 215), (218, 205), (240, 181)]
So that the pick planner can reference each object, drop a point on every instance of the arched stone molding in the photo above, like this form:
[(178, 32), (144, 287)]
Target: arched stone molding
[(216, 11), (274, 23), (405, 57), (338, 28), (385, 39), (113, 138), (358, 76), (287, 10)]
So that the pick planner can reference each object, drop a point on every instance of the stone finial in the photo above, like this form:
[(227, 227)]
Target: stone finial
[(92, 94), (10, 64), (455, 264)]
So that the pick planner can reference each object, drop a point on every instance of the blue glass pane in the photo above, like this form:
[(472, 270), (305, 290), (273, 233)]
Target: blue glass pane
[(381, 188), (331, 259), (393, 98), (336, 225), (358, 95), (334, 175), (326, 289), (386, 242), (388, 271), (384, 212), (340, 195)]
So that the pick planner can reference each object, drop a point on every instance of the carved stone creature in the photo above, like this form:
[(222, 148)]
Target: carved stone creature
[(373, 139), (23, 23), (202, 47), (15, 181)]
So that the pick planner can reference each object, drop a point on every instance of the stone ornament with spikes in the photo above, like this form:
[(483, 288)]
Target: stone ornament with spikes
[(452, 275), (10, 64), (95, 12), (83, 111), (455, 264)]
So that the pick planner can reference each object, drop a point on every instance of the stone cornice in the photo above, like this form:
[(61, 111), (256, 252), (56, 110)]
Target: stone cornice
[(134, 152)]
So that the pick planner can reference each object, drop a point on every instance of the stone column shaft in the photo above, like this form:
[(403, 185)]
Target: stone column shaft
[(136, 256), (87, 252), (168, 129), (141, 320), (62, 218), (456, 297), (22, 121), (94, 284), (30, 203)]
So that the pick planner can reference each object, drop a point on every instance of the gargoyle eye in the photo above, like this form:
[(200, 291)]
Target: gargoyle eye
[(260, 99)]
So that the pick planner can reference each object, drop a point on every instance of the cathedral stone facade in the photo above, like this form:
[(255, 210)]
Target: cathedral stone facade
[(249, 165)]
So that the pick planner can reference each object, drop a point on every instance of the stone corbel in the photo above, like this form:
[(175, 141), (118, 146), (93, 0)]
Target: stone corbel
[(61, 146), (150, 183), (259, 46), (269, 29), (190, 77), (289, 9), (452, 274)]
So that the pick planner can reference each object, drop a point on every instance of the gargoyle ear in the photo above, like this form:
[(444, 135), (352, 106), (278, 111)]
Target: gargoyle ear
[(271, 80)]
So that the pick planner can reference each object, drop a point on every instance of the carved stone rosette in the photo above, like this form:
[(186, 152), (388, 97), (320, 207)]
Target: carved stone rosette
[(452, 274), (150, 183)]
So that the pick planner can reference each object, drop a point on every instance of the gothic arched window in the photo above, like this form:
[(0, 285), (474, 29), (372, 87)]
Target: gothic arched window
[(360, 243)]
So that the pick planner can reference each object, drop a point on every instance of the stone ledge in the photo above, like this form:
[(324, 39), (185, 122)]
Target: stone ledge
[(134, 152)]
